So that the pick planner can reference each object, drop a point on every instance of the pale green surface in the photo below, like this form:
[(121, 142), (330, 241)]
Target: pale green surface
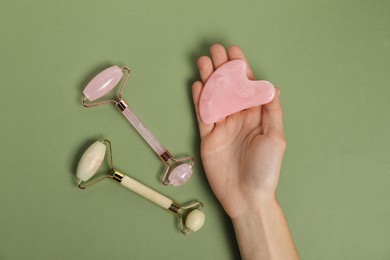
[(330, 58)]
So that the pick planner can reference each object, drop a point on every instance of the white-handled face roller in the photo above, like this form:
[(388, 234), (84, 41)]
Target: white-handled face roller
[(191, 216), (178, 171)]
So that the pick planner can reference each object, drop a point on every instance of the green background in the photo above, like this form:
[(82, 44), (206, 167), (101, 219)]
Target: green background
[(331, 60)]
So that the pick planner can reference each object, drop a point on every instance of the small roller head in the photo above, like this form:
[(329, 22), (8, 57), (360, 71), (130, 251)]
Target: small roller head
[(195, 220), (180, 174)]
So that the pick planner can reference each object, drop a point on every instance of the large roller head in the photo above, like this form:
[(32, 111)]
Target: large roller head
[(91, 161), (103, 83)]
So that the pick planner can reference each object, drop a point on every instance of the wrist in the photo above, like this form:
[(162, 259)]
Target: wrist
[(257, 208), (262, 232)]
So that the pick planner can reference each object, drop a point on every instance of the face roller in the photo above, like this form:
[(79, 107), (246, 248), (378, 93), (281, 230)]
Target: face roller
[(191, 216), (177, 171)]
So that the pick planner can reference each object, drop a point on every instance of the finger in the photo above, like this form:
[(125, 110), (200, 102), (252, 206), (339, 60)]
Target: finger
[(197, 88), (273, 115), (253, 117), (234, 52), (218, 55), (205, 67)]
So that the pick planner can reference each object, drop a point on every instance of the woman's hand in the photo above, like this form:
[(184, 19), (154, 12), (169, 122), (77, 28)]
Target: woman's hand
[(241, 154)]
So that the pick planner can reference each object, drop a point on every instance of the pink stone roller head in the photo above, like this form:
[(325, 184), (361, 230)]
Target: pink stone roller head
[(228, 90), (103, 83), (177, 171)]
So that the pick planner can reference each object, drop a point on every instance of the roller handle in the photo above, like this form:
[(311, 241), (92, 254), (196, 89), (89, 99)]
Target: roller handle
[(144, 132), (146, 192)]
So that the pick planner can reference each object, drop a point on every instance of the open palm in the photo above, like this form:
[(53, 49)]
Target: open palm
[(241, 154)]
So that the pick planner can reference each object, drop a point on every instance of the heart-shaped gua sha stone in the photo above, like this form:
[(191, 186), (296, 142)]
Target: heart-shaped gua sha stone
[(228, 90)]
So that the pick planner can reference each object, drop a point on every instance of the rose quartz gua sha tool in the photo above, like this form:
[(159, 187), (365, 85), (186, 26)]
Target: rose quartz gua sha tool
[(228, 90), (177, 171), (191, 216)]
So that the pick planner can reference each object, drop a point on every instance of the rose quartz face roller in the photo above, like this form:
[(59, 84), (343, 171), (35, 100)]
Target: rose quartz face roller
[(191, 216), (228, 90), (177, 171)]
